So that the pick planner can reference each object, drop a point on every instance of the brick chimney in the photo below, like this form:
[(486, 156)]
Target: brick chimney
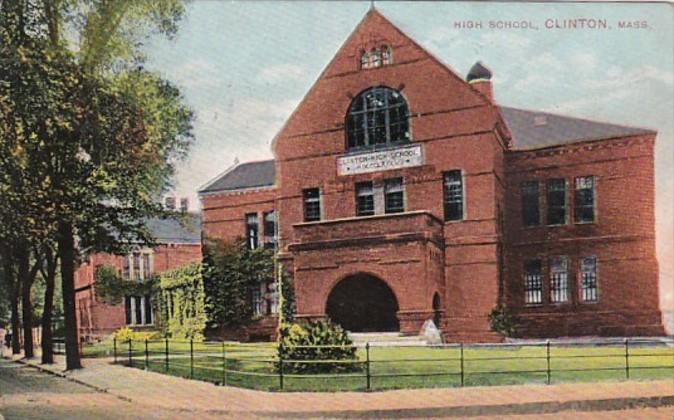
[(479, 77)]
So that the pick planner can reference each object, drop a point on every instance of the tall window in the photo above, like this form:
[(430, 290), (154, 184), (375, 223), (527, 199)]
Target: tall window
[(136, 266), (531, 215), (256, 300), (453, 195), (138, 310), (559, 279), (584, 200), (270, 230), (378, 117), (126, 268), (252, 230), (533, 283), (312, 204), (364, 199), (588, 274), (147, 266), (394, 196), (556, 202)]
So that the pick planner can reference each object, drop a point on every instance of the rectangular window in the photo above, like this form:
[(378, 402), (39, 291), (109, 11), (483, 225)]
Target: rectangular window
[(312, 204), (584, 200), (364, 199), (127, 309), (273, 297), (252, 238), (270, 230), (394, 196), (588, 274), (148, 310), (531, 215), (147, 266), (556, 202), (533, 283), (256, 300), (453, 195), (559, 279), (136, 266), (126, 267)]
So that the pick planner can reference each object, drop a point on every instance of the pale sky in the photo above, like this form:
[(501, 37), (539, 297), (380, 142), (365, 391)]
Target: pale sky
[(244, 66)]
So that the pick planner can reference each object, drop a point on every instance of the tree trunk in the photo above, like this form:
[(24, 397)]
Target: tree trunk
[(66, 249), (16, 328), (47, 334), (23, 256)]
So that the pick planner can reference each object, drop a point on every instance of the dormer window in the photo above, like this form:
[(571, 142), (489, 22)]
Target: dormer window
[(376, 57)]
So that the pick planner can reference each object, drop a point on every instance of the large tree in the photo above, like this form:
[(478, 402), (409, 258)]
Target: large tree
[(111, 132)]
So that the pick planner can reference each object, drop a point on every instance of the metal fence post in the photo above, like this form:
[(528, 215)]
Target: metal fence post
[(224, 364), (114, 350), (130, 356), (280, 366), (166, 355), (627, 359), (367, 364), (147, 356), (462, 374), (547, 358), (191, 358)]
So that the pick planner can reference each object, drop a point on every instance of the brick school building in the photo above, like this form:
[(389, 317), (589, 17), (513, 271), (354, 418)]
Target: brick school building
[(401, 191)]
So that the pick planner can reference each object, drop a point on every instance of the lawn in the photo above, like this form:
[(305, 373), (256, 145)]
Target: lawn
[(256, 365)]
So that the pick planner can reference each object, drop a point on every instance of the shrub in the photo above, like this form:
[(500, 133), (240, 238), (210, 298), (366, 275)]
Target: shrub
[(503, 321), (296, 337), (126, 334)]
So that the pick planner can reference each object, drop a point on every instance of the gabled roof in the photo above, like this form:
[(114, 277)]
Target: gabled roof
[(245, 175), (535, 130), (173, 231)]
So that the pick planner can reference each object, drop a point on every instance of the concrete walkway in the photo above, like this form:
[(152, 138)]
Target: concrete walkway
[(173, 393)]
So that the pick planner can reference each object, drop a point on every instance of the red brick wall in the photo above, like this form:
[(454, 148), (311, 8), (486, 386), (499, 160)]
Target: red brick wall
[(96, 319), (622, 238)]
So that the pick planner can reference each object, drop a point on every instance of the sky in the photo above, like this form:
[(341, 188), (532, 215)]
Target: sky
[(244, 66)]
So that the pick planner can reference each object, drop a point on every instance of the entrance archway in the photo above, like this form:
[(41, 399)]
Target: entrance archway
[(437, 310), (363, 303)]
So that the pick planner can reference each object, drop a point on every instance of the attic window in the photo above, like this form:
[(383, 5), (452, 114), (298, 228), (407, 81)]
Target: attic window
[(376, 57)]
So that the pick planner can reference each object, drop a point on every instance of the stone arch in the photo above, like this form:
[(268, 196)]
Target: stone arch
[(363, 302)]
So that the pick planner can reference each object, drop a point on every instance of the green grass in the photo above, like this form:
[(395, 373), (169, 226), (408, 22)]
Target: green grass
[(255, 365)]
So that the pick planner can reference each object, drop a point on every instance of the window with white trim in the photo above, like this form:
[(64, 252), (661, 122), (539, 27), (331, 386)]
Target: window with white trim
[(252, 231), (364, 199), (559, 279), (588, 279), (138, 310), (453, 195), (312, 204), (376, 57), (533, 282), (556, 194), (584, 200), (394, 196), (377, 118), (270, 230)]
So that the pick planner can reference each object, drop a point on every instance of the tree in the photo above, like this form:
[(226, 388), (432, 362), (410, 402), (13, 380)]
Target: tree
[(108, 133)]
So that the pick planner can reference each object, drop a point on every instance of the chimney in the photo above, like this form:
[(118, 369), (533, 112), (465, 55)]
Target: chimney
[(184, 204), (479, 77), (170, 202)]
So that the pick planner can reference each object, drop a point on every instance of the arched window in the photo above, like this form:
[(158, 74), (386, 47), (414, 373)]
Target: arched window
[(377, 117)]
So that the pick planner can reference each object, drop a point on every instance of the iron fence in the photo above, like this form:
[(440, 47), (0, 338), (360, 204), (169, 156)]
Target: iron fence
[(374, 367)]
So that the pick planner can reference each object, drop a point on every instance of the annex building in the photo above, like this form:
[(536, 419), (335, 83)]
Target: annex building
[(401, 192)]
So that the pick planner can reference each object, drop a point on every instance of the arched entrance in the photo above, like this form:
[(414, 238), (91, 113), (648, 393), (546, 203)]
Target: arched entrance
[(363, 303), (437, 312)]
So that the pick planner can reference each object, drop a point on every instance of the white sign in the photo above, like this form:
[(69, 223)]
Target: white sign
[(403, 157)]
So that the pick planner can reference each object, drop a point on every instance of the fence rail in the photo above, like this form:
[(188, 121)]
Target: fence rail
[(385, 367)]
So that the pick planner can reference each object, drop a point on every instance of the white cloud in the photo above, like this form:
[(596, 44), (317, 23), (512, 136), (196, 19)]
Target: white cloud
[(281, 72)]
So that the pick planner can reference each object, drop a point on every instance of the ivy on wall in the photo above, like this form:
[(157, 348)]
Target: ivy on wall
[(180, 302), (111, 288)]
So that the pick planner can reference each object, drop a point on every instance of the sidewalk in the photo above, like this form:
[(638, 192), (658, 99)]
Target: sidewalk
[(174, 393)]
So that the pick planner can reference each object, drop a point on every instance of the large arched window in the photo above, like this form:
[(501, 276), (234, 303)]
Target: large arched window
[(378, 117)]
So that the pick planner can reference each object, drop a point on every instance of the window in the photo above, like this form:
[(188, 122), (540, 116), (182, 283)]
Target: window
[(138, 310), (272, 292), (136, 266), (533, 284), (394, 196), (126, 268), (256, 300), (588, 275), (584, 200), (556, 202), (147, 266), (531, 215), (559, 279), (364, 199), (252, 238), (270, 230), (376, 57), (453, 195), (312, 204), (377, 117)]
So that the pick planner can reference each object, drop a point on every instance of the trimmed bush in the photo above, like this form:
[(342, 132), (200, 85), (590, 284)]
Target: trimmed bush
[(503, 321), (296, 341), (126, 334)]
